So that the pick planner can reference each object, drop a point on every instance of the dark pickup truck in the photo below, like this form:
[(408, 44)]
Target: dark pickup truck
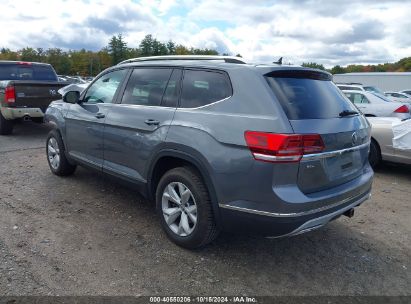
[(26, 90)]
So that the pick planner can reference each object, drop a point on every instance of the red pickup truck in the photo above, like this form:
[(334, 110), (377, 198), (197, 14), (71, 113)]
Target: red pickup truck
[(26, 90)]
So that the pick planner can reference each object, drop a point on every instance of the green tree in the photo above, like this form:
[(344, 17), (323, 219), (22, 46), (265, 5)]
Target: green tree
[(313, 65), (117, 48), (7, 54), (337, 70), (29, 54), (146, 46), (171, 48), (182, 50)]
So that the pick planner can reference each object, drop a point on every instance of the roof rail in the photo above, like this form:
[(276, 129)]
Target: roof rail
[(228, 59)]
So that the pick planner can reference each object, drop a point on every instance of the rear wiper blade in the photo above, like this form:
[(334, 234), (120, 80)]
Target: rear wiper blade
[(348, 113)]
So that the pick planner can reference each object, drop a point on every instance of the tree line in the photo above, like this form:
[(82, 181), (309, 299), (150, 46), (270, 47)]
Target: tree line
[(90, 63), (403, 65)]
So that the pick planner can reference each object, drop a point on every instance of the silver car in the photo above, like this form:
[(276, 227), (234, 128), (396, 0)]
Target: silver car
[(373, 104), (398, 97), (382, 147)]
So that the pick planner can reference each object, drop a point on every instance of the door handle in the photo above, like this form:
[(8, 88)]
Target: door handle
[(152, 122), (100, 115)]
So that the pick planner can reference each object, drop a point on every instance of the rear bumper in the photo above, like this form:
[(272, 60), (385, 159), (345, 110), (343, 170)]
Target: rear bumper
[(15, 113), (269, 224)]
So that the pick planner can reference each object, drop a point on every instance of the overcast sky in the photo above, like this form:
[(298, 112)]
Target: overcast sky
[(328, 32)]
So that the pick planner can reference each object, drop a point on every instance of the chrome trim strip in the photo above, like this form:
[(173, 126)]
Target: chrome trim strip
[(274, 214), (316, 156), (321, 221), (207, 105), (285, 158)]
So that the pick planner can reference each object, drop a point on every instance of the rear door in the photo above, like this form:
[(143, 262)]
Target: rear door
[(85, 120), (137, 126), (314, 105)]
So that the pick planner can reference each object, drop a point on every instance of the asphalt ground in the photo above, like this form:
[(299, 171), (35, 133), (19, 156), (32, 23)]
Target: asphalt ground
[(88, 235)]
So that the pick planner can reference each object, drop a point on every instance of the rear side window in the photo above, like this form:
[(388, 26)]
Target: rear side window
[(172, 91), (356, 97), (27, 72), (44, 73), (146, 87), (202, 87), (307, 95)]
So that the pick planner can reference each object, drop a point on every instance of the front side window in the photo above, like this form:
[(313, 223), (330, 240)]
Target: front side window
[(105, 88), (201, 88), (146, 86)]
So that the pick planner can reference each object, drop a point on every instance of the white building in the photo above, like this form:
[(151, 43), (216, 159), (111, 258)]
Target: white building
[(386, 81)]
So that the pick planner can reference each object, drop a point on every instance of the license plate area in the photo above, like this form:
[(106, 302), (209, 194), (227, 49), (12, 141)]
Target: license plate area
[(343, 165)]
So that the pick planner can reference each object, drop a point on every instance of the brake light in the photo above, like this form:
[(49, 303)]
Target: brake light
[(272, 147), (402, 109), (25, 63), (9, 94)]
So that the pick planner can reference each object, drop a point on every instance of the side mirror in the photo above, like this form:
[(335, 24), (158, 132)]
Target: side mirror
[(71, 97)]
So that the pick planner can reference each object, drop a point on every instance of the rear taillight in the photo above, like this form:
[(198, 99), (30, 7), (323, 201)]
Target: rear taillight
[(272, 147), (9, 94), (402, 109)]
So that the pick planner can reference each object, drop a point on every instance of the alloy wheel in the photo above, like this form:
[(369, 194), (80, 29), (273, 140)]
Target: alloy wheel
[(179, 209)]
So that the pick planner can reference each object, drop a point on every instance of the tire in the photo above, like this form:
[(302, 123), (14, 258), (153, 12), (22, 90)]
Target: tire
[(374, 156), (6, 126), (192, 235), (56, 156)]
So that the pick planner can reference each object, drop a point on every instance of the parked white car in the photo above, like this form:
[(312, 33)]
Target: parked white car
[(408, 92), (358, 87), (371, 104), (399, 97), (385, 145)]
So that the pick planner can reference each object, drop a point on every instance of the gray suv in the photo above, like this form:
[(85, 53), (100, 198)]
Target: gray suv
[(219, 144)]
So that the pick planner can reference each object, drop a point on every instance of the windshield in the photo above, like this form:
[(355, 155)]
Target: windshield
[(380, 96), (308, 98), (373, 89)]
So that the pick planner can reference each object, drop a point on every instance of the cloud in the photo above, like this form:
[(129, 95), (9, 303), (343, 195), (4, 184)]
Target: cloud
[(327, 32)]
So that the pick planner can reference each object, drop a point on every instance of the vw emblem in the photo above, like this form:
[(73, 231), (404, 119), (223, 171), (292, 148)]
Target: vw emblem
[(354, 138)]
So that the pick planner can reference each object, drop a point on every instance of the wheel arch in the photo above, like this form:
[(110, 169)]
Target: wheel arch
[(168, 159), (377, 145)]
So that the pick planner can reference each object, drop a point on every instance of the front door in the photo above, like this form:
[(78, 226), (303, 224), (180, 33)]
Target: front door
[(85, 120), (136, 127)]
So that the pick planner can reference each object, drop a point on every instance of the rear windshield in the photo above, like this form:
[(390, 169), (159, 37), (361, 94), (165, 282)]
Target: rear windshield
[(27, 72), (308, 95)]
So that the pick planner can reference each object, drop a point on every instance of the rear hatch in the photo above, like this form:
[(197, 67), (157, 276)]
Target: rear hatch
[(33, 85), (314, 105)]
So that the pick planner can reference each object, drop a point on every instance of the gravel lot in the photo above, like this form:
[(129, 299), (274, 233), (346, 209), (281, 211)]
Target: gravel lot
[(87, 235)]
